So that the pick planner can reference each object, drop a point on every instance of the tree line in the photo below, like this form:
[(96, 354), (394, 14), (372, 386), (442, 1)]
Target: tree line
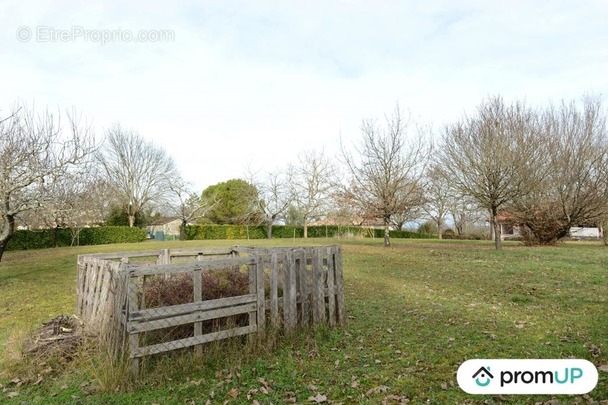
[(546, 167)]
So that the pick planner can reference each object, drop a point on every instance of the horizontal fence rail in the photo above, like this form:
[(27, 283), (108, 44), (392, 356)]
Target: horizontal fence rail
[(161, 300)]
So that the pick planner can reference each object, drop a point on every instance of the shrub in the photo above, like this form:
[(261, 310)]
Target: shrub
[(448, 234), (428, 228), (179, 289), (111, 234), (206, 232), (41, 239)]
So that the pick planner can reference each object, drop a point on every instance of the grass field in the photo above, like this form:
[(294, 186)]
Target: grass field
[(416, 311)]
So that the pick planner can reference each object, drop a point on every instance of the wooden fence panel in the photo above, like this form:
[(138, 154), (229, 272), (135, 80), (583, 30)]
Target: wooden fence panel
[(110, 291)]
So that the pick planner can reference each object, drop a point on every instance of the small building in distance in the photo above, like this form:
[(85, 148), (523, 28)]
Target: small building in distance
[(164, 228)]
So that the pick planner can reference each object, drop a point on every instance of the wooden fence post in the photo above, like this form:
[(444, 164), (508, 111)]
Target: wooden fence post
[(339, 285), (331, 292), (318, 315), (302, 275), (197, 279), (274, 300), (133, 306), (289, 293), (260, 295)]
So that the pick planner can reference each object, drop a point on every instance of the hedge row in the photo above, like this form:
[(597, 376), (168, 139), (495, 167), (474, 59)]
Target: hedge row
[(201, 232), (40, 239)]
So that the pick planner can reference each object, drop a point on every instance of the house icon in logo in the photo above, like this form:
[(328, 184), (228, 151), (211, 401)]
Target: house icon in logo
[(483, 373)]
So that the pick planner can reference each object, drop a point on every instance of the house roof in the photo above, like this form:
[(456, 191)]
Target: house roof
[(163, 220)]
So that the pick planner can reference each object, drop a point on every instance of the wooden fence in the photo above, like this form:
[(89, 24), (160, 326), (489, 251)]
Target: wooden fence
[(287, 288)]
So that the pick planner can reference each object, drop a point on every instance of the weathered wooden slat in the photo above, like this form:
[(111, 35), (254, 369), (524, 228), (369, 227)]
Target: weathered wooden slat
[(182, 343), (133, 306), (318, 314), (197, 279), (291, 306), (261, 318), (339, 285), (103, 295), (184, 309), (303, 291), (202, 252), (80, 277), (146, 326), (331, 302), (253, 291), (94, 274), (274, 304), (120, 255), (187, 267)]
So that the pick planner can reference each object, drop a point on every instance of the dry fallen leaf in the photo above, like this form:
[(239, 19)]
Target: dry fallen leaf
[(376, 390), (399, 399), (603, 368), (290, 397), (12, 394), (319, 398), (233, 393), (251, 393)]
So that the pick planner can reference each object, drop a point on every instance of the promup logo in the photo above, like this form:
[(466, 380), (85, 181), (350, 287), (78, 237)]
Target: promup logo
[(484, 374), (504, 376)]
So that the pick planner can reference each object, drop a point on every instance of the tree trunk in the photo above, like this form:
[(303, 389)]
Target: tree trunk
[(387, 236), (131, 220), (54, 237), (496, 227), (7, 233), (305, 229), (182, 230), (269, 230), (439, 229), (2, 248)]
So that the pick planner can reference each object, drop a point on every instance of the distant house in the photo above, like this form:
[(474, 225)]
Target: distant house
[(510, 229), (164, 228)]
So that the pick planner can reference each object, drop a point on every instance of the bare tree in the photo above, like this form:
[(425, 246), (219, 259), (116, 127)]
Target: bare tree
[(464, 212), (188, 206), (574, 190), (35, 150), (141, 172), (494, 156), (386, 169), (437, 196), (274, 197), (312, 185)]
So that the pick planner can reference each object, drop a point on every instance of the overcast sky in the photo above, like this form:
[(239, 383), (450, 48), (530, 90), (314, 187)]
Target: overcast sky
[(251, 83)]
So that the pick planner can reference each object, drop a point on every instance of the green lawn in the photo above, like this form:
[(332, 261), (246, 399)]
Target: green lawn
[(416, 311)]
